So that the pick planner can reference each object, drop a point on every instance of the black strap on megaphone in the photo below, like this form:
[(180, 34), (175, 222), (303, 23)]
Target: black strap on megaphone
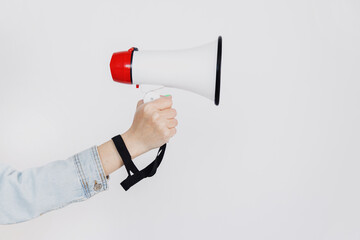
[(136, 175)]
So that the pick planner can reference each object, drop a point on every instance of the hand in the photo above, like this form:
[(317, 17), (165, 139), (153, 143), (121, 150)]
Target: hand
[(154, 124)]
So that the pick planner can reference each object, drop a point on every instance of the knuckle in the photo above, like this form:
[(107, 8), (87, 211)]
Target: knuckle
[(166, 134), (168, 100), (155, 116), (148, 108)]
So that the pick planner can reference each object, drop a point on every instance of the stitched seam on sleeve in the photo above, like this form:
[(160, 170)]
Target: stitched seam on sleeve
[(99, 168), (82, 176)]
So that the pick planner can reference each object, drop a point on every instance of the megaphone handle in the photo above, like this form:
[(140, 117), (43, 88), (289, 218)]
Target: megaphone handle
[(151, 96)]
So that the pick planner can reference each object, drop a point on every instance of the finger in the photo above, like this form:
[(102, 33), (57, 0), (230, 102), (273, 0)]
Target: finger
[(162, 103), (168, 113), (172, 123), (172, 132), (139, 103)]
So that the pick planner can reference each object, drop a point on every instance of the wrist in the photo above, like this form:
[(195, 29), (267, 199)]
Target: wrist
[(133, 144), (109, 157)]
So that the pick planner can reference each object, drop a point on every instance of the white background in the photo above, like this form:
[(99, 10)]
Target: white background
[(278, 159)]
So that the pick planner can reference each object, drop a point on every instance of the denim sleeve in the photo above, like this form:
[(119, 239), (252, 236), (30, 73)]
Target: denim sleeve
[(28, 194)]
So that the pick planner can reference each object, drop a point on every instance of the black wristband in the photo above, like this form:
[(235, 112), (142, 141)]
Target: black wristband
[(137, 175), (124, 153)]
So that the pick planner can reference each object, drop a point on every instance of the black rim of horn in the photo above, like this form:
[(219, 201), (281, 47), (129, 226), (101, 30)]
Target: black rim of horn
[(218, 71)]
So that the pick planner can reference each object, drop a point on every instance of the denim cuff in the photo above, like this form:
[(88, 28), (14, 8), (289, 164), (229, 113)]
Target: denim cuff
[(90, 172)]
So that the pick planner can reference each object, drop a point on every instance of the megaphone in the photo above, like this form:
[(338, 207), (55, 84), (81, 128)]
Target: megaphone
[(196, 69)]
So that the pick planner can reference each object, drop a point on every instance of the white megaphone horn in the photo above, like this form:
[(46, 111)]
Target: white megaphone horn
[(196, 69)]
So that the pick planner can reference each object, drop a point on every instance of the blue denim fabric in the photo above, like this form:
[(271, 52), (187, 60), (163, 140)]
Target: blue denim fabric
[(27, 194)]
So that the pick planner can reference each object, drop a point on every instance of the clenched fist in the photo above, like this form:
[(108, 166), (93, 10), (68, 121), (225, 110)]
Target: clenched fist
[(154, 124)]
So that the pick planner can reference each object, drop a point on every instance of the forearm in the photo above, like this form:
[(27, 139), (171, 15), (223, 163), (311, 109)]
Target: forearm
[(109, 156), (29, 193)]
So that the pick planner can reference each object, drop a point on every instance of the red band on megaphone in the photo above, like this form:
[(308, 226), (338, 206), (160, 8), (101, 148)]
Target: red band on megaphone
[(120, 66)]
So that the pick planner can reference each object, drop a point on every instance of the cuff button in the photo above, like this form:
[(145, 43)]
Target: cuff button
[(97, 186)]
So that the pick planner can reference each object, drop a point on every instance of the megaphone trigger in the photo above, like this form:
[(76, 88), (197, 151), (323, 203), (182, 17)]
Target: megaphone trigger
[(151, 96), (150, 93)]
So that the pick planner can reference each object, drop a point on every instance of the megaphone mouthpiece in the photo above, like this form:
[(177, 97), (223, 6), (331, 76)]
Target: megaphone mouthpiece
[(120, 66)]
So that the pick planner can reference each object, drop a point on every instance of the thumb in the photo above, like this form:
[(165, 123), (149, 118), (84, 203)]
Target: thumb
[(140, 102)]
